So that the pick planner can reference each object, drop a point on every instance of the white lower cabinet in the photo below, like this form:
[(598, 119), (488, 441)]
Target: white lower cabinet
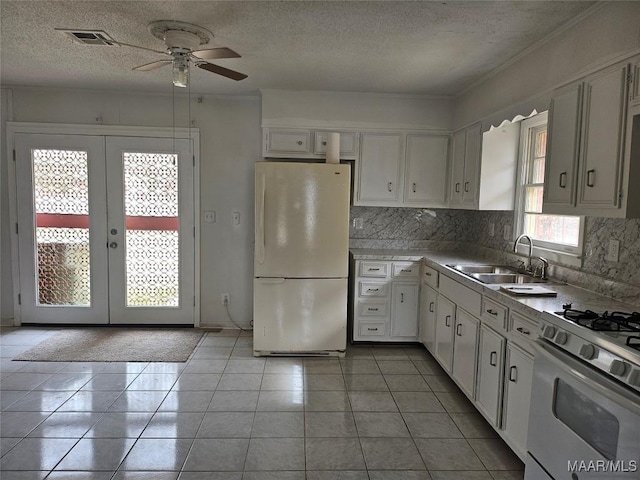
[(490, 374), (428, 305), (445, 316), (465, 345), (517, 397), (386, 300)]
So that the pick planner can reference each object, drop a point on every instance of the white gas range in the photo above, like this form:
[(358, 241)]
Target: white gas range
[(585, 404)]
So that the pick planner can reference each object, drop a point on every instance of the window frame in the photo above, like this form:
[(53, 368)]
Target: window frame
[(559, 252)]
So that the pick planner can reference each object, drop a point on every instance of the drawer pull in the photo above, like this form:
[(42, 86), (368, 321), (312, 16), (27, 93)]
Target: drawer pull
[(493, 359), (373, 309), (513, 374), (466, 187), (372, 289), (401, 297), (458, 187), (414, 187), (563, 180), (493, 312), (523, 331), (591, 177), (372, 329), (447, 321), (377, 269), (431, 306), (428, 274), (407, 270), (389, 186)]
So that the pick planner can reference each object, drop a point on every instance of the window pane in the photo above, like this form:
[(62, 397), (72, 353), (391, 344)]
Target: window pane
[(537, 172), (533, 199), (541, 144), (553, 228)]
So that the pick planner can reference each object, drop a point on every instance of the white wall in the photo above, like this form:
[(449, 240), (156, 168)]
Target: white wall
[(354, 110), (229, 146), (607, 33)]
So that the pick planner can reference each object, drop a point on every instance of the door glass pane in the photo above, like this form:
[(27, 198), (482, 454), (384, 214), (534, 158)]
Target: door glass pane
[(61, 207), (592, 423), (533, 199), (152, 243)]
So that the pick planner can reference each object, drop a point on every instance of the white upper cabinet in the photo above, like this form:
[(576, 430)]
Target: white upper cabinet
[(592, 151), (379, 169), (305, 143), (465, 168), (348, 144), (425, 181), (563, 140)]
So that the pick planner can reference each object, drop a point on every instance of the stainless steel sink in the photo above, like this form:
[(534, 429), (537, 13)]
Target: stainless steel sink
[(491, 269), (505, 278)]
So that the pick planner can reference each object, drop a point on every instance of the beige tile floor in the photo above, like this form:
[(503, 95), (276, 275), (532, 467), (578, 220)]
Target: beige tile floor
[(381, 413)]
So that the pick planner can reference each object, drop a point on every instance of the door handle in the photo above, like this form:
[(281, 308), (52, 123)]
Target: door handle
[(563, 180), (113, 245), (513, 374), (493, 359), (591, 177)]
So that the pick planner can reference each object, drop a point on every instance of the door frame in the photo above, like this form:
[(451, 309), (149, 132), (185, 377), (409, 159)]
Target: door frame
[(14, 128)]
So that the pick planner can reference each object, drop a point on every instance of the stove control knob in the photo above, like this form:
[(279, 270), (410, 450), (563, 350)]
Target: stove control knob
[(618, 367), (588, 351), (561, 338), (634, 378), (549, 331)]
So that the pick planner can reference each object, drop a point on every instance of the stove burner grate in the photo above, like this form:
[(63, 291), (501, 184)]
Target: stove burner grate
[(605, 322), (634, 342)]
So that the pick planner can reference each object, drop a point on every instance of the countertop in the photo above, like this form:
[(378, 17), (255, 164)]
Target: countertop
[(530, 306)]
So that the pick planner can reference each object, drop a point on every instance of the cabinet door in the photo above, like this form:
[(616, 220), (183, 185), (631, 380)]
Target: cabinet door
[(379, 168), (445, 316), (426, 170), (348, 144), (603, 133), (428, 316), (472, 154), (563, 136), (465, 345), (457, 167), (490, 368), (517, 397), (404, 310), (287, 141)]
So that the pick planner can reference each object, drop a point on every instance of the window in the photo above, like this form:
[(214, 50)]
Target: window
[(558, 237)]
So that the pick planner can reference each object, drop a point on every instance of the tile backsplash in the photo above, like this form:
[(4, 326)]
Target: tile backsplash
[(419, 228)]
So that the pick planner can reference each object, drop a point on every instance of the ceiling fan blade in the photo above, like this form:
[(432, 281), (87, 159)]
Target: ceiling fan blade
[(213, 53), (152, 66), (225, 72)]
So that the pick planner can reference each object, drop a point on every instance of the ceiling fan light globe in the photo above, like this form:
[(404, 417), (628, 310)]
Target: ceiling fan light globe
[(180, 72)]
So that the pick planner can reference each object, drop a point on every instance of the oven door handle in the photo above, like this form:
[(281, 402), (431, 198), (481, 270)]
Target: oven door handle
[(598, 381)]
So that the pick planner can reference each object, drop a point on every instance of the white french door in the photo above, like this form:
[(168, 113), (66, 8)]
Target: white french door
[(106, 229)]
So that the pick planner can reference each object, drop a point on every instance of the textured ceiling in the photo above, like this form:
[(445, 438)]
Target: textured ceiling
[(425, 47)]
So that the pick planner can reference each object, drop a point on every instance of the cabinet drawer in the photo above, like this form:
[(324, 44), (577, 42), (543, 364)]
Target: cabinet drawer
[(494, 313), (371, 309), (406, 270), (348, 143), (462, 296), (430, 276), (288, 141), (367, 329), (374, 269), (372, 289), (523, 330)]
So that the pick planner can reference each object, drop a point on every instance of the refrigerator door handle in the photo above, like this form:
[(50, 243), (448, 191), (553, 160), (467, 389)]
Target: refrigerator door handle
[(271, 280), (260, 220)]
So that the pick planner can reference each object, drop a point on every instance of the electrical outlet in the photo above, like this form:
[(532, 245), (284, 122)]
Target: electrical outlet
[(492, 229), (225, 299), (210, 216), (358, 223), (506, 234), (235, 218), (614, 250)]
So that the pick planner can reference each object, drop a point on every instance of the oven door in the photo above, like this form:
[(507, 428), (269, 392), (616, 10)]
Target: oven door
[(582, 425)]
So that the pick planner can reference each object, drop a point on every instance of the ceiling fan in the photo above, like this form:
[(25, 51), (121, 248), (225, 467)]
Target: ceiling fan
[(182, 41)]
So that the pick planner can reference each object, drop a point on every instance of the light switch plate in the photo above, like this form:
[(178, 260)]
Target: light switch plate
[(492, 229), (507, 232), (614, 250), (358, 223), (235, 217)]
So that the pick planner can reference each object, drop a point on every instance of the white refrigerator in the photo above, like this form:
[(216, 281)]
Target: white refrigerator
[(301, 258)]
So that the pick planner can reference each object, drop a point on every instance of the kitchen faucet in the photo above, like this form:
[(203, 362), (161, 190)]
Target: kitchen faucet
[(515, 248)]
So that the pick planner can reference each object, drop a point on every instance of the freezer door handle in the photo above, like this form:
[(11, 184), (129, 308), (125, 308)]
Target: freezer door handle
[(260, 220), (271, 280)]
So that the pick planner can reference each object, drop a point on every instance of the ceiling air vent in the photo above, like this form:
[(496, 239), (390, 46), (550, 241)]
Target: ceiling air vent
[(90, 37)]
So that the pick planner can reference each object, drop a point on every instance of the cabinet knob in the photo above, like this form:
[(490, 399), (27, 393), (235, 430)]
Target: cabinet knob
[(299, 142), (113, 245), (324, 143)]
